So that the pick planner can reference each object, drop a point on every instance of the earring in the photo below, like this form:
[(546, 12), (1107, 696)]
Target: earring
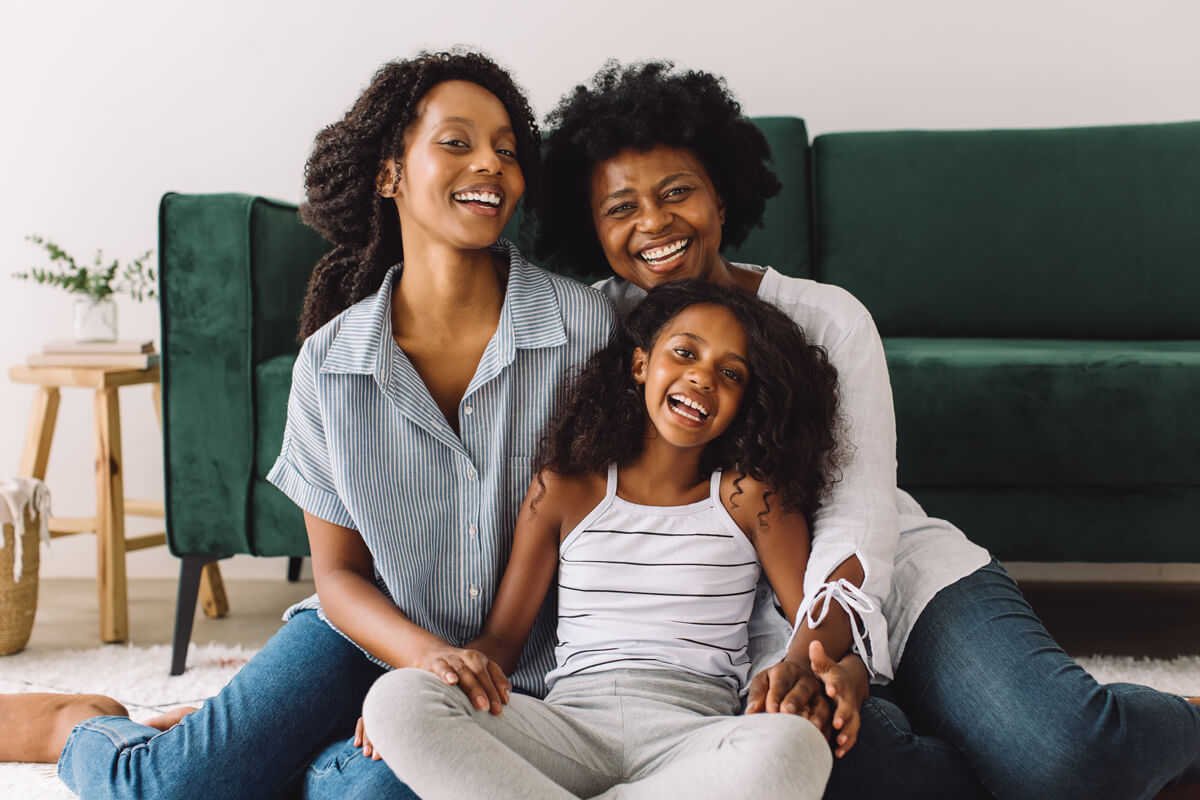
[(388, 190)]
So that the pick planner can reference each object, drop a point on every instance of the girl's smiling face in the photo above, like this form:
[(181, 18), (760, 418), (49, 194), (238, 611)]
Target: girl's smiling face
[(695, 375), (657, 216), (459, 181)]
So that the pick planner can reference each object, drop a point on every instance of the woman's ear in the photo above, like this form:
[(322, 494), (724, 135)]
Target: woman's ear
[(388, 179), (640, 359), (721, 209)]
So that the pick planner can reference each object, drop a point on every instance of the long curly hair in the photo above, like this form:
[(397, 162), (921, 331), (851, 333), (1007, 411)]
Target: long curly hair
[(787, 432), (339, 178), (640, 106)]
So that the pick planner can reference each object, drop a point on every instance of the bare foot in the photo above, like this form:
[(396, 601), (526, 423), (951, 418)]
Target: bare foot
[(35, 727), (170, 719)]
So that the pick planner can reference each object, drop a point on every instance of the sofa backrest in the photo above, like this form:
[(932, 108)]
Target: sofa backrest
[(1072, 233), (785, 239)]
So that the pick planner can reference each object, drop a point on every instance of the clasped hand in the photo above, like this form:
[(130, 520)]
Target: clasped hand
[(481, 679), (792, 687)]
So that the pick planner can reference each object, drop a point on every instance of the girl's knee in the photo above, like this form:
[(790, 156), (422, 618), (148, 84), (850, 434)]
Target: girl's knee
[(403, 699), (792, 751)]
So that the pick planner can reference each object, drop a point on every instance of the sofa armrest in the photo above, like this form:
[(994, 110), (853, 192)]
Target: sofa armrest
[(232, 272)]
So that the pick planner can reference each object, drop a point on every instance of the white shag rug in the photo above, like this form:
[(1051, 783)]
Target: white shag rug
[(137, 677)]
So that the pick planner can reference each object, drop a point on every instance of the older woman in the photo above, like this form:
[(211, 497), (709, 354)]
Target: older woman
[(652, 172)]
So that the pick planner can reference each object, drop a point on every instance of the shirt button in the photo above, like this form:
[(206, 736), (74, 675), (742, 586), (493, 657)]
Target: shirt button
[(470, 474), (468, 410), (474, 592), (471, 531)]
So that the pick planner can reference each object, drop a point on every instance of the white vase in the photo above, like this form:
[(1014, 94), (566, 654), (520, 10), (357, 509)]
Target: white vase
[(95, 320)]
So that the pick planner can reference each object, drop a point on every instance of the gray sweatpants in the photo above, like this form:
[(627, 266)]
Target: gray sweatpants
[(620, 734)]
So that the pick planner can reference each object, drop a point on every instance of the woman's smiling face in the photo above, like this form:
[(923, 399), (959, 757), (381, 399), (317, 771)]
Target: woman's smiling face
[(657, 216), (459, 180)]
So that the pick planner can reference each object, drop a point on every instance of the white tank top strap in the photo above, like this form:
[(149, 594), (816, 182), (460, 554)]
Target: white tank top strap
[(611, 491), (714, 488)]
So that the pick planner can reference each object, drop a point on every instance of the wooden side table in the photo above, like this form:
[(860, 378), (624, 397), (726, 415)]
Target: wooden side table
[(111, 503)]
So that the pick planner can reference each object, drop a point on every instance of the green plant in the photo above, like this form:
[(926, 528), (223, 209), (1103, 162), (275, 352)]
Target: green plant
[(136, 278)]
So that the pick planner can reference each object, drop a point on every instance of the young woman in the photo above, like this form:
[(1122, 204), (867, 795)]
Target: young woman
[(681, 465), (432, 357), (652, 172)]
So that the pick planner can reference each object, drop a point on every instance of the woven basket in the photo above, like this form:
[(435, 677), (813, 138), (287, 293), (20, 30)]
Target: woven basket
[(18, 601)]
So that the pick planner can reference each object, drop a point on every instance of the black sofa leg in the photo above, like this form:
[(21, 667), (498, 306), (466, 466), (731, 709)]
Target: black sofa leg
[(294, 564), (185, 608)]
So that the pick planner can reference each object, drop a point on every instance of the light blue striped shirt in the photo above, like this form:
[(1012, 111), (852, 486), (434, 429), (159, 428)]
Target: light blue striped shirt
[(367, 448)]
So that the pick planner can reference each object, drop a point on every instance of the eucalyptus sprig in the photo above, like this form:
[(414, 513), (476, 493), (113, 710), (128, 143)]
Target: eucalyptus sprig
[(100, 280)]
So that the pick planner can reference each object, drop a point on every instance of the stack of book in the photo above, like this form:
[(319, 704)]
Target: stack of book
[(127, 353)]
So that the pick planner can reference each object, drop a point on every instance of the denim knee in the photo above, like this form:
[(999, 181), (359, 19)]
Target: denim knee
[(341, 771), (891, 761)]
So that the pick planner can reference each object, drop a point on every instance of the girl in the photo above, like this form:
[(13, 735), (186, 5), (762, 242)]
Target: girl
[(689, 452), (433, 356), (652, 172)]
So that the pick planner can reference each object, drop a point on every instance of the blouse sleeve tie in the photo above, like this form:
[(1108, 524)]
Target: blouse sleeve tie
[(855, 602)]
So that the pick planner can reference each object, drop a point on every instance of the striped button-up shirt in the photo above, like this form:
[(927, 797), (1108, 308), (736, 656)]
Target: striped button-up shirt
[(367, 448)]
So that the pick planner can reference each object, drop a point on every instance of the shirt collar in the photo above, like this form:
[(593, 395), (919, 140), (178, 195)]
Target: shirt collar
[(530, 318)]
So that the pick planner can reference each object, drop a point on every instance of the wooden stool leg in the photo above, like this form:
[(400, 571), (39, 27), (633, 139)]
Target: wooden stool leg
[(212, 592), (110, 517), (40, 432), (157, 394)]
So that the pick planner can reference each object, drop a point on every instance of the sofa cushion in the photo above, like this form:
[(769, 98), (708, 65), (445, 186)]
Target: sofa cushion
[(1024, 413), (1086, 233), (272, 387), (278, 523)]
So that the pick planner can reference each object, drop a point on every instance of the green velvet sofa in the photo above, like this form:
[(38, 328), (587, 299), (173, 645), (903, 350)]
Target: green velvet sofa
[(1038, 292)]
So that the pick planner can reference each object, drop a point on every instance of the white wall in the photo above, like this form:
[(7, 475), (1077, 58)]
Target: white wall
[(107, 106)]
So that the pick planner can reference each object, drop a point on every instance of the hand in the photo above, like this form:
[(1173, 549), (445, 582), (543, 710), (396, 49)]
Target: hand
[(480, 678), (791, 688), (362, 740), (847, 685)]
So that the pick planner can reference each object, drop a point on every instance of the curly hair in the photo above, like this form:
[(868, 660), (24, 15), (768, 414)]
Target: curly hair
[(640, 106), (787, 432), (339, 178)]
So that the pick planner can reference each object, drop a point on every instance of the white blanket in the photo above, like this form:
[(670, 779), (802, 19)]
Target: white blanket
[(17, 497)]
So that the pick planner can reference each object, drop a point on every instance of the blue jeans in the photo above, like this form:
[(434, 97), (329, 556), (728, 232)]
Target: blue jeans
[(282, 727), (995, 707)]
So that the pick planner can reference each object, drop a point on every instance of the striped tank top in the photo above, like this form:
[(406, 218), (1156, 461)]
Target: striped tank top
[(656, 587)]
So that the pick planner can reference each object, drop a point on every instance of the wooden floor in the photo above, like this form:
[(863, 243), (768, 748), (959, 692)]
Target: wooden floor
[(67, 618), (1154, 620)]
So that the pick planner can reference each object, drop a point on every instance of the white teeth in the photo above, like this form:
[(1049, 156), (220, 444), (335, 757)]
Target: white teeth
[(685, 401), (491, 198), (659, 254)]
